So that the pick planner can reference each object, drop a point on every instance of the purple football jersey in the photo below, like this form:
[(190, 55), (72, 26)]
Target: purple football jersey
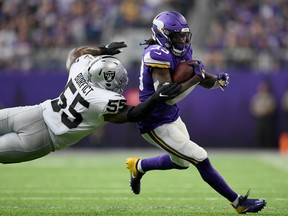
[(160, 57)]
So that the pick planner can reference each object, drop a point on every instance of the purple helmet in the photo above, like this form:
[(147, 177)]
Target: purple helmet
[(171, 30)]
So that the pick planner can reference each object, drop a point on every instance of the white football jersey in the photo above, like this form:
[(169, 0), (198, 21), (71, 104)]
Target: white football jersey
[(79, 109)]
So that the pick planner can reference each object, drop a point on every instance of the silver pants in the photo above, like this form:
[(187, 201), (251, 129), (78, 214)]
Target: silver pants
[(24, 135)]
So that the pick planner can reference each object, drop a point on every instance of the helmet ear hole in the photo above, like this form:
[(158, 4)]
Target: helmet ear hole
[(99, 74)]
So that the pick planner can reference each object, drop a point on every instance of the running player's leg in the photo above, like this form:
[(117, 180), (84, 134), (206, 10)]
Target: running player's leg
[(175, 140), (176, 133)]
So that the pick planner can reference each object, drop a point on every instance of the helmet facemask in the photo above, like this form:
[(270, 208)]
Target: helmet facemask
[(180, 41)]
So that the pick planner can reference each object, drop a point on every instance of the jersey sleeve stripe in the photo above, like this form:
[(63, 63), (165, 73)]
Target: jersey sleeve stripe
[(155, 63), (158, 65)]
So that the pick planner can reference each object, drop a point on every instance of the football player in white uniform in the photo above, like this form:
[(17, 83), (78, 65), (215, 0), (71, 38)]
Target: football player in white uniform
[(91, 98)]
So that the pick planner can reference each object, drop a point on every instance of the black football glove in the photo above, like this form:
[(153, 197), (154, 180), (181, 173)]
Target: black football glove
[(112, 48), (167, 91), (164, 92)]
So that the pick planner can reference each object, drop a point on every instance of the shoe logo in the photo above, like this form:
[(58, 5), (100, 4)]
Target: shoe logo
[(163, 95), (132, 173), (158, 53)]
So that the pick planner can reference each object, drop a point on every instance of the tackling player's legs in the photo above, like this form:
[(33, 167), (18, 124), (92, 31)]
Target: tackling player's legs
[(23, 134)]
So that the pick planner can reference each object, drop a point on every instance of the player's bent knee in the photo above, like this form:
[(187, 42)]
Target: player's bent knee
[(183, 167), (199, 154)]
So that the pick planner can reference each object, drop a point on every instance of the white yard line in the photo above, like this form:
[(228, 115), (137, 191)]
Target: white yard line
[(276, 161), (118, 198)]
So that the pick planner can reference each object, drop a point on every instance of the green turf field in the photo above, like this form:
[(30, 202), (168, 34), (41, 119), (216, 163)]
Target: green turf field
[(96, 183)]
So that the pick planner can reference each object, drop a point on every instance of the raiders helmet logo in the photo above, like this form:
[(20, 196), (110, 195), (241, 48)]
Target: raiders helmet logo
[(109, 76)]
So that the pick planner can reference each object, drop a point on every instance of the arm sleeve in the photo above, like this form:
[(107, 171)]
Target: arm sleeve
[(141, 111)]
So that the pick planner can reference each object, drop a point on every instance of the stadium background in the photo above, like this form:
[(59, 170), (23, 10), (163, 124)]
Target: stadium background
[(248, 39)]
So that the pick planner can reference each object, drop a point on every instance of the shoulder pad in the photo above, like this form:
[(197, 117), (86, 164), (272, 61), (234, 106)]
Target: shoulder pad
[(157, 56)]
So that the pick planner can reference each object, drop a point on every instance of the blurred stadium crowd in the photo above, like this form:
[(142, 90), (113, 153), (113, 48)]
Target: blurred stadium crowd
[(38, 34), (227, 34), (249, 34)]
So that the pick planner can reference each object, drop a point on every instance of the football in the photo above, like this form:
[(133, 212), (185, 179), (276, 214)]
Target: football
[(183, 72)]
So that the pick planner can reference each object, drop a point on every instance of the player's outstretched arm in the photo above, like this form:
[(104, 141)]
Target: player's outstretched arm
[(165, 92), (209, 80), (112, 48)]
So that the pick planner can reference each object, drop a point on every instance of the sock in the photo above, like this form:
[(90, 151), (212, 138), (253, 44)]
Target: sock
[(162, 162), (139, 167), (215, 180), (236, 201)]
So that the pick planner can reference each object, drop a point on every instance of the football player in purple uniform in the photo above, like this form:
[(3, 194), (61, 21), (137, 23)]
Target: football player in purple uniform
[(170, 45), (91, 98)]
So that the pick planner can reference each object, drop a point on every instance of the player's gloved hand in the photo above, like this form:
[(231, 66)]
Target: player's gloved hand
[(163, 93), (167, 91), (223, 79), (112, 48), (198, 67)]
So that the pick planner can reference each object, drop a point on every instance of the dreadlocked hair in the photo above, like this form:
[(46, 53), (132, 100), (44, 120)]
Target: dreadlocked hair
[(148, 42)]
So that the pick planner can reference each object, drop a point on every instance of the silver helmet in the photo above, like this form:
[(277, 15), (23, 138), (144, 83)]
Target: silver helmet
[(108, 73)]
